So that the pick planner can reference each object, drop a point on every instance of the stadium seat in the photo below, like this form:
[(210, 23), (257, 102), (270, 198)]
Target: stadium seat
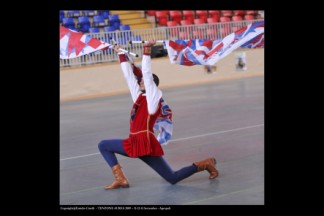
[(68, 22), (202, 14), (175, 15), (84, 23), (98, 20), (212, 20), (214, 14), (94, 30), (239, 13), (162, 17), (172, 23), (186, 22), (237, 18), (249, 17), (109, 28), (83, 20), (188, 15), (226, 13), (224, 19), (114, 20), (105, 14), (251, 12), (199, 21), (88, 13), (73, 13), (124, 27), (150, 13), (62, 15)]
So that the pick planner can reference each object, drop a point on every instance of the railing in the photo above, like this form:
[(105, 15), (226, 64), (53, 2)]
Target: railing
[(215, 31)]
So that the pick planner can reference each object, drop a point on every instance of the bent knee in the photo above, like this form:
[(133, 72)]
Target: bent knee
[(102, 145), (172, 181)]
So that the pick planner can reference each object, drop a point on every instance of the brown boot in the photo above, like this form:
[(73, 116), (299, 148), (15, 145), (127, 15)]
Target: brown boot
[(120, 179), (210, 165)]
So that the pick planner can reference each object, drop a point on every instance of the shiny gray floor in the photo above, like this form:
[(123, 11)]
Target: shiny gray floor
[(224, 119)]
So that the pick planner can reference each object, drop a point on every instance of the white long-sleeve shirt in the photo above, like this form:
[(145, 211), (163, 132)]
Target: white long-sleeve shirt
[(152, 92)]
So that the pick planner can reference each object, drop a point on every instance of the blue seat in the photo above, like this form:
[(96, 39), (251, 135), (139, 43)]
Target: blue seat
[(68, 22), (84, 23), (62, 15), (124, 27), (98, 20), (73, 13), (88, 12), (105, 14), (83, 20), (114, 20), (109, 28), (94, 30)]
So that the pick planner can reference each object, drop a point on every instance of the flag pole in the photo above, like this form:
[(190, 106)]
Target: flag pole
[(137, 42), (128, 52)]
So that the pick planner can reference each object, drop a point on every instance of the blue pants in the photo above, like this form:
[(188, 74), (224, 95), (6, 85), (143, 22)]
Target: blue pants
[(108, 148)]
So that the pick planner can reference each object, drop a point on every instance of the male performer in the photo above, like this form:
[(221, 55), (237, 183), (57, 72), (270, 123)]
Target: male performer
[(142, 143)]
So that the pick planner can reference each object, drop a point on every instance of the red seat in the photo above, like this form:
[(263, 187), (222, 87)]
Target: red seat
[(150, 12), (162, 17), (212, 20), (214, 14), (237, 18), (188, 15), (251, 12), (202, 14), (175, 16), (224, 19), (239, 12), (185, 22), (198, 21), (226, 13), (172, 23), (249, 17)]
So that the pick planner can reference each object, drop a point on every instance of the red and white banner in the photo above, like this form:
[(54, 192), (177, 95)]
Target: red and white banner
[(74, 44), (208, 52)]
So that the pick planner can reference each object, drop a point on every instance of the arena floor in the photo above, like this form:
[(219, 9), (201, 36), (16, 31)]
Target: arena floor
[(221, 119)]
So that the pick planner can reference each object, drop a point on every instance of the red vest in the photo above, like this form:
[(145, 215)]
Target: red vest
[(141, 140)]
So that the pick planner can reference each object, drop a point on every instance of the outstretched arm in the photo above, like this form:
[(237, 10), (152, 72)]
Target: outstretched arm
[(153, 93), (128, 74)]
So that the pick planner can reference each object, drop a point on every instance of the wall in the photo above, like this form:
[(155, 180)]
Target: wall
[(107, 79)]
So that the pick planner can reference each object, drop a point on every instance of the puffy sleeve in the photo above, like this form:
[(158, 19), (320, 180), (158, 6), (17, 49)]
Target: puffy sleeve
[(129, 76), (153, 93)]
